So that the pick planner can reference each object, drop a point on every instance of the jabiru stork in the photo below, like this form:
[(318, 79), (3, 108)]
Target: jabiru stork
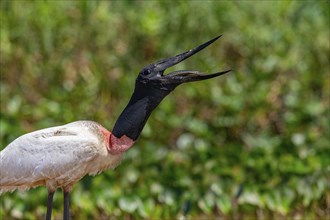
[(60, 156)]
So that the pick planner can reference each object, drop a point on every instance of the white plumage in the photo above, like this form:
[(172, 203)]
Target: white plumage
[(33, 159)]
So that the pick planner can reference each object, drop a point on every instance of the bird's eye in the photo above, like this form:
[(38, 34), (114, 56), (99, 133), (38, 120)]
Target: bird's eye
[(146, 72)]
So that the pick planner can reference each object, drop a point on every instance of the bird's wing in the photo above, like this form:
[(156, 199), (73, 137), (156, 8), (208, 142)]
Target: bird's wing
[(57, 153)]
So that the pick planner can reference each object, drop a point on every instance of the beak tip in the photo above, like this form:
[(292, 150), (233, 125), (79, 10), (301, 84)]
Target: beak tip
[(219, 36), (216, 38)]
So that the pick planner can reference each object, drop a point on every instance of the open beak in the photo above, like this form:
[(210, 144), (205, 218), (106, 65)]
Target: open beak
[(183, 76)]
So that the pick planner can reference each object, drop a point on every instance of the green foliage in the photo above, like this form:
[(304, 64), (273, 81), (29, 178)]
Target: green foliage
[(251, 144)]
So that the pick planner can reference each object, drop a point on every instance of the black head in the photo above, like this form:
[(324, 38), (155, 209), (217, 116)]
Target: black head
[(152, 76), (151, 87)]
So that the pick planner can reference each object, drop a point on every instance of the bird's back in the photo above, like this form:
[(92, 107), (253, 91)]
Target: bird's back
[(56, 157)]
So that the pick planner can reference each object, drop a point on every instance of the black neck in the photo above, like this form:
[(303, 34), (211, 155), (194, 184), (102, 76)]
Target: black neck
[(132, 120)]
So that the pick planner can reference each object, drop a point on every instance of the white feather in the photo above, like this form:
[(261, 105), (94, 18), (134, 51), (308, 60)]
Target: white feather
[(55, 157)]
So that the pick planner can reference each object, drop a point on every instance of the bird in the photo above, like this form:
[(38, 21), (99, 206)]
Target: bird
[(60, 156)]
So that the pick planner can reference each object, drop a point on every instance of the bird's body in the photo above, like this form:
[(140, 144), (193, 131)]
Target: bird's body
[(81, 147), (58, 157)]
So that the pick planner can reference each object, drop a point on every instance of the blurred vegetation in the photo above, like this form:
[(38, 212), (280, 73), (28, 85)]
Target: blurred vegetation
[(251, 144)]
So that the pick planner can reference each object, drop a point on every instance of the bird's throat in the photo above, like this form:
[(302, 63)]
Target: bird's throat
[(119, 145), (116, 145)]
